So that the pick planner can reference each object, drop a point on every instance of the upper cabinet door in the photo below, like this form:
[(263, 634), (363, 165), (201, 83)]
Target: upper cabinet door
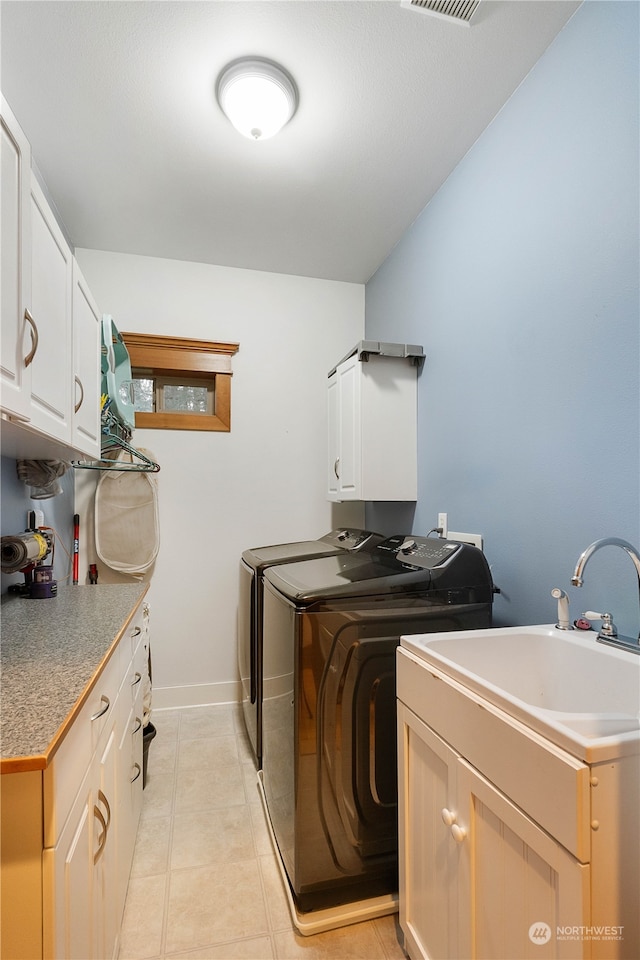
[(51, 289), (349, 429), (373, 429), (86, 368), (15, 343)]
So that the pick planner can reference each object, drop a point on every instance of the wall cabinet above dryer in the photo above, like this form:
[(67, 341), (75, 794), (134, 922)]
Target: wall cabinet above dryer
[(372, 412)]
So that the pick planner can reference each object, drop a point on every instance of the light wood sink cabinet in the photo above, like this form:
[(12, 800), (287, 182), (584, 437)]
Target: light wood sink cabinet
[(68, 831), (509, 846)]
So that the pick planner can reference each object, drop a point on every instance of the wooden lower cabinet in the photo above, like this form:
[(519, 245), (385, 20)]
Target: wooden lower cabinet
[(477, 872), (63, 897), (508, 845)]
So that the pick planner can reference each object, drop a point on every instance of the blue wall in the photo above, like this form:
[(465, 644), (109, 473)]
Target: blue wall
[(520, 279)]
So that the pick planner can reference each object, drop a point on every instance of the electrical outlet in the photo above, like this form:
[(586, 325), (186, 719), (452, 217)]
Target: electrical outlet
[(443, 525)]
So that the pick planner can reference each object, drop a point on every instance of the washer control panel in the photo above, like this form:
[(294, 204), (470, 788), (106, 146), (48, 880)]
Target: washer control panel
[(423, 552)]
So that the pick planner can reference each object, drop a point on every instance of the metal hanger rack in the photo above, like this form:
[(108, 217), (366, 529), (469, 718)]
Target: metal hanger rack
[(117, 437)]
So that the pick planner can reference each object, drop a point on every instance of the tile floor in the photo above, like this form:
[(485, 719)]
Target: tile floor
[(204, 882)]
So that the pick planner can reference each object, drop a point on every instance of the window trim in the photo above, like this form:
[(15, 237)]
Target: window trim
[(177, 356)]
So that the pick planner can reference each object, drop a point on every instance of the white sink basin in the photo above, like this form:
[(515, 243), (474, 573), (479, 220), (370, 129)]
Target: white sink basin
[(562, 683)]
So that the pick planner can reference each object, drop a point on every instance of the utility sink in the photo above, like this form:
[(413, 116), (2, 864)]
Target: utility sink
[(561, 683)]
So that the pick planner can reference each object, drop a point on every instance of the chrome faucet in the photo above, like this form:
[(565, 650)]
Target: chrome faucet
[(608, 633)]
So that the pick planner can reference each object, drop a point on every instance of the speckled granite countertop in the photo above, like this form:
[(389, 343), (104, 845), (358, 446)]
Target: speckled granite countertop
[(52, 653)]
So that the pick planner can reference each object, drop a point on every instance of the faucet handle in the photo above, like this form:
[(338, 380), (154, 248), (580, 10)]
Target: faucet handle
[(609, 628)]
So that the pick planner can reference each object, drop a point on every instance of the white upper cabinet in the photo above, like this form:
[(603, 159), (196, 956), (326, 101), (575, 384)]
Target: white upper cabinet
[(372, 414), (86, 367), (15, 344), (50, 324), (51, 286)]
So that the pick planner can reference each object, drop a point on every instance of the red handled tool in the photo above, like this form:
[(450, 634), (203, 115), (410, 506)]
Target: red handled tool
[(76, 545)]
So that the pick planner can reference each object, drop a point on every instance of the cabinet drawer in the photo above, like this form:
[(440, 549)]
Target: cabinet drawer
[(550, 784), (63, 776), (132, 639), (133, 675)]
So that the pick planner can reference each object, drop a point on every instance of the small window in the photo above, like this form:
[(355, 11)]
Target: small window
[(181, 384)]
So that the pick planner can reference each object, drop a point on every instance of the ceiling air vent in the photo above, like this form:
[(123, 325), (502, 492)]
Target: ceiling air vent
[(461, 11)]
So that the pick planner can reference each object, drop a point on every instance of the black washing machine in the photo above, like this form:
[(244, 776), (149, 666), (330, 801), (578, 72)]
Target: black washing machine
[(329, 771), (253, 564)]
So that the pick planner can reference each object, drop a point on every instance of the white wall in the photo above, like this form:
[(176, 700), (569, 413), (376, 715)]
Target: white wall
[(221, 493)]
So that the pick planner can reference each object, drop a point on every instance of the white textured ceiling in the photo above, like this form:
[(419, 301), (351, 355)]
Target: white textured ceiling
[(117, 100)]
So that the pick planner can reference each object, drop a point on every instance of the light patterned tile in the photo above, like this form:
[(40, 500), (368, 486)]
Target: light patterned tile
[(167, 723), (201, 787), (214, 904), (151, 853), (212, 751), (388, 929), (157, 796), (259, 948), (141, 934), (277, 902), (261, 836), (212, 721), (212, 836)]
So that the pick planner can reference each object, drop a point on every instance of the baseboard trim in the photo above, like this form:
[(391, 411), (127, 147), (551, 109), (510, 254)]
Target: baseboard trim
[(195, 695)]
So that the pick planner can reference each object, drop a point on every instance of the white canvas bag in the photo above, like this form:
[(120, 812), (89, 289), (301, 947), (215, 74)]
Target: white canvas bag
[(127, 522)]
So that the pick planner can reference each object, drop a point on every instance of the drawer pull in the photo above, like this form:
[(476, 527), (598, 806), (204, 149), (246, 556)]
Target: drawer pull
[(136, 631), (136, 766), (137, 678), (101, 713), (33, 330), (103, 836), (138, 727)]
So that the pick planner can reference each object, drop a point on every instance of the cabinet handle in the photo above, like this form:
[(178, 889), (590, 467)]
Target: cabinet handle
[(137, 678), (136, 767), (458, 833), (103, 799), (81, 400), (335, 468), (448, 818), (136, 632), (139, 726), (103, 836), (34, 338), (102, 712)]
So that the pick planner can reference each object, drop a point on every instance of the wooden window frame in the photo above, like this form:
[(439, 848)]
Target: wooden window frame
[(178, 356)]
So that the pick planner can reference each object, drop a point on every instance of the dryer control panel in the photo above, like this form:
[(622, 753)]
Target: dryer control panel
[(351, 539)]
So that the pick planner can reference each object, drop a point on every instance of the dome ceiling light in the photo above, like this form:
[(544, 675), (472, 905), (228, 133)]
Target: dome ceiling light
[(258, 97)]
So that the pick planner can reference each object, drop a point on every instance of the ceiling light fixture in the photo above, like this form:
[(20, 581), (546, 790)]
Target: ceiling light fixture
[(258, 96)]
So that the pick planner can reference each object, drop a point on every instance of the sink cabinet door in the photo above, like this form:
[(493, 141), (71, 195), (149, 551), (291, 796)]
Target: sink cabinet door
[(476, 873), (428, 858), (514, 881)]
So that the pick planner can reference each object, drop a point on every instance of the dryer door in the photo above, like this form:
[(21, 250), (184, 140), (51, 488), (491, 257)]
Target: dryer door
[(358, 747)]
